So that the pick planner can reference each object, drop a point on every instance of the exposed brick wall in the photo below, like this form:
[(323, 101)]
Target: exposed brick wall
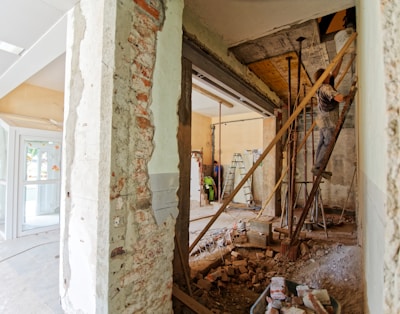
[(140, 251)]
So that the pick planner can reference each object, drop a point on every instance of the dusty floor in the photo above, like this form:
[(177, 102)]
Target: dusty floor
[(29, 274), (333, 265), (330, 264)]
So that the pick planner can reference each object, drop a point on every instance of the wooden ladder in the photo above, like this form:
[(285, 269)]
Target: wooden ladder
[(315, 187), (238, 163)]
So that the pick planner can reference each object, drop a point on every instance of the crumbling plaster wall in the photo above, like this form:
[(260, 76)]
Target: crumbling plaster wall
[(390, 22), (123, 72)]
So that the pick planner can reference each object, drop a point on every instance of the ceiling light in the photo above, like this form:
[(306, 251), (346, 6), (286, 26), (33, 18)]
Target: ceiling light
[(7, 47)]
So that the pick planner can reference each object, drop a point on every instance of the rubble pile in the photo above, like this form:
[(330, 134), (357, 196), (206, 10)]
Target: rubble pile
[(260, 235), (239, 278), (237, 269)]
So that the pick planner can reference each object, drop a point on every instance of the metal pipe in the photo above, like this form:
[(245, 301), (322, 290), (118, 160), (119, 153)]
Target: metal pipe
[(213, 143), (284, 173), (300, 40), (305, 146), (241, 120), (219, 155), (289, 86), (289, 151), (292, 178)]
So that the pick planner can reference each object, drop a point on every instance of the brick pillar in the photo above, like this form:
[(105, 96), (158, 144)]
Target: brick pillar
[(116, 257)]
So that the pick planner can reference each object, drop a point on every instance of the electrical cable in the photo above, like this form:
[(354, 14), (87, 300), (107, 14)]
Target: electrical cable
[(24, 251)]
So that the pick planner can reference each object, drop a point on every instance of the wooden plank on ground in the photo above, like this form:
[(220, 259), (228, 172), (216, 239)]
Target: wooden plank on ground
[(189, 301)]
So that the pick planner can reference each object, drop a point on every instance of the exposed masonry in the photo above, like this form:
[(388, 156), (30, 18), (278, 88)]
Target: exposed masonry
[(140, 251), (391, 31)]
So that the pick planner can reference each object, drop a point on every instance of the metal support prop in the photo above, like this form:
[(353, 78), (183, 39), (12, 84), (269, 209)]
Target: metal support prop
[(219, 195), (305, 147), (289, 149), (292, 173)]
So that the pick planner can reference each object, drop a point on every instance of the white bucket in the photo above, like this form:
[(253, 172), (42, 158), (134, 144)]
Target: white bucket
[(341, 39)]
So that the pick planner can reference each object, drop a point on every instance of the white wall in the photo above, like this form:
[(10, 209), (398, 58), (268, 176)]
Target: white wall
[(163, 166), (372, 149)]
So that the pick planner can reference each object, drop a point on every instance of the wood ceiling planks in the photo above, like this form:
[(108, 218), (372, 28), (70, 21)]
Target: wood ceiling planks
[(274, 73)]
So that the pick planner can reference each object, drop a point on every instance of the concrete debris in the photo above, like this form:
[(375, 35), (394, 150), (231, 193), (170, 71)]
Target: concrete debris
[(261, 269), (292, 310), (302, 290), (248, 271), (278, 288), (313, 303), (322, 296), (272, 311), (307, 300), (257, 238), (273, 306)]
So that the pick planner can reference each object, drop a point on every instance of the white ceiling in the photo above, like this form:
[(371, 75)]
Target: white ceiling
[(210, 105), (39, 26), (239, 21)]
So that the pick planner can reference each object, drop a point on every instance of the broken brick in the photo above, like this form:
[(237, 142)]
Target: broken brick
[(243, 269), (244, 277), (204, 284)]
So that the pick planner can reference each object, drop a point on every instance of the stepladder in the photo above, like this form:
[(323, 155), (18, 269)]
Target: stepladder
[(236, 172)]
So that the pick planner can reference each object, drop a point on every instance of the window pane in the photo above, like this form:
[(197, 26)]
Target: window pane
[(3, 153), (2, 207), (42, 205), (43, 160)]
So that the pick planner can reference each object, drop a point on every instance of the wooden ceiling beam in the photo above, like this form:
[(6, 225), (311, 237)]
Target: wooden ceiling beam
[(211, 95)]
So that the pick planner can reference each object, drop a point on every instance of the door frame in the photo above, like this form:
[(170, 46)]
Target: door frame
[(19, 211)]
